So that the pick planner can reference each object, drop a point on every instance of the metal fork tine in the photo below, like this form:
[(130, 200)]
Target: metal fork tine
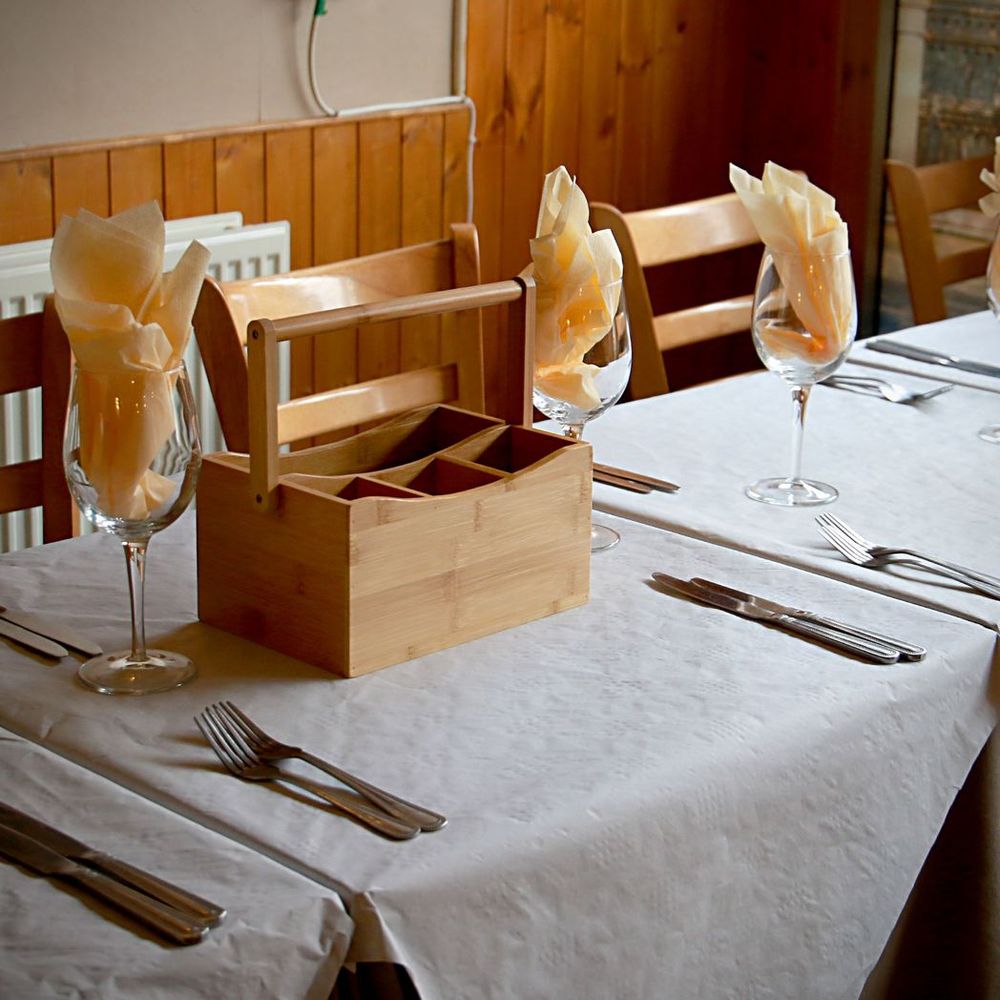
[(253, 733), (243, 754), (205, 725)]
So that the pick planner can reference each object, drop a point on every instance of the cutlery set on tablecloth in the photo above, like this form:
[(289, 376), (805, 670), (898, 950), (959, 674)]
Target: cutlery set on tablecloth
[(44, 635)]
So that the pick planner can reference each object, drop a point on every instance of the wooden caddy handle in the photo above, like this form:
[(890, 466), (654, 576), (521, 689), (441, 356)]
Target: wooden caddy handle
[(264, 335)]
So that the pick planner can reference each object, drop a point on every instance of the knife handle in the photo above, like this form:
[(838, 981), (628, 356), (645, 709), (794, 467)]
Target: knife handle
[(173, 895), (908, 650), (169, 922), (874, 652), (38, 643), (623, 484)]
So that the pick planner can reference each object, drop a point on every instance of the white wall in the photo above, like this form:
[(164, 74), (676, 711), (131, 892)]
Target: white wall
[(72, 70)]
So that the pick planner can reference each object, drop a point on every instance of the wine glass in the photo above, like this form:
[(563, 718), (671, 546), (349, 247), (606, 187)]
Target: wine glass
[(574, 393), (991, 432), (804, 319), (132, 455)]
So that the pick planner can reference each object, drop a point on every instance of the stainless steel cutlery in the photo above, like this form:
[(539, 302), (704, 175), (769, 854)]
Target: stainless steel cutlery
[(867, 649), (635, 481), (44, 634), (891, 391), (933, 357)]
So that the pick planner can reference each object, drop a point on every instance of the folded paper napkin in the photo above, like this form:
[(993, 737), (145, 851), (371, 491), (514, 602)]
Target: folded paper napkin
[(990, 203), (799, 222), (578, 277), (128, 325)]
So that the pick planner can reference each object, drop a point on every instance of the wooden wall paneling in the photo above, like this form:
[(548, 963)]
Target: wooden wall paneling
[(188, 178), (136, 174), (523, 132), (563, 76), (379, 228), (635, 98), (289, 195), (80, 180), (335, 237), (422, 205), (455, 181), (239, 175), (599, 98), (487, 74), (26, 200)]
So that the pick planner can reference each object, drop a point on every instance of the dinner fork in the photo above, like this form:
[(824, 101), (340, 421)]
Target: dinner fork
[(237, 758), (863, 552), (887, 390), (268, 748)]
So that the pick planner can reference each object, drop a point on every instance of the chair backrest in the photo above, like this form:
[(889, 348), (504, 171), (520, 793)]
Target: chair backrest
[(34, 352), (224, 310), (657, 236), (917, 194)]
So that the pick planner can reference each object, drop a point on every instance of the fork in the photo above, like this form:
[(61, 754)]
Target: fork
[(861, 551), (268, 748), (237, 758), (887, 390)]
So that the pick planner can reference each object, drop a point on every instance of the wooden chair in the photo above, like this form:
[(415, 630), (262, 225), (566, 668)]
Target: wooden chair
[(223, 312), (656, 236), (34, 352), (917, 194)]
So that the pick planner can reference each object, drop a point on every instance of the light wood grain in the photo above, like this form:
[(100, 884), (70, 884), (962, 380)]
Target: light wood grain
[(188, 178), (136, 176), (240, 180), (80, 180), (26, 200)]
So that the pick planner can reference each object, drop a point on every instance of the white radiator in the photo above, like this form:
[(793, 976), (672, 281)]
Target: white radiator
[(238, 251)]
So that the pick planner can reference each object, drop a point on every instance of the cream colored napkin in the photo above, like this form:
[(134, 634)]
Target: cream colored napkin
[(578, 277), (990, 203), (798, 219), (128, 325)]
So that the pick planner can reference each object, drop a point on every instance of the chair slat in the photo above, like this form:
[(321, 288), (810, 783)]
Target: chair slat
[(691, 326), (20, 353), (19, 483)]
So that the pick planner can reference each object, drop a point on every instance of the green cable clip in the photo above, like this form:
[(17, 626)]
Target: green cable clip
[(320, 8)]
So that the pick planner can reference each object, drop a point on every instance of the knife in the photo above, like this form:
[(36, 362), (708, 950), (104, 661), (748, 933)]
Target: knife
[(934, 357), (32, 640), (637, 477), (866, 649), (623, 484), (62, 843), (52, 629), (907, 650), (165, 919)]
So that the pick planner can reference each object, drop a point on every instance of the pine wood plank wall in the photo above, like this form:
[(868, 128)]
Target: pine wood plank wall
[(645, 101)]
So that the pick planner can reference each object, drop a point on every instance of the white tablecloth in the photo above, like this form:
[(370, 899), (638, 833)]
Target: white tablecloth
[(647, 797), (975, 337), (283, 936), (915, 476)]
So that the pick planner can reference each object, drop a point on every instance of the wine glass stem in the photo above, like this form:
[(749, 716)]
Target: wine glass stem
[(800, 397), (135, 561), (574, 431)]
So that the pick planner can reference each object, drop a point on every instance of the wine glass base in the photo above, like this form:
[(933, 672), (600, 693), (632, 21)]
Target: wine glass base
[(792, 492), (118, 673), (602, 537), (991, 433)]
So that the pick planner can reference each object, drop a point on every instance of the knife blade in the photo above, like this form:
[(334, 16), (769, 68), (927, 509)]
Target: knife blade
[(651, 481), (934, 357), (64, 844), (50, 629), (169, 922), (32, 640), (907, 650), (623, 484), (865, 649)]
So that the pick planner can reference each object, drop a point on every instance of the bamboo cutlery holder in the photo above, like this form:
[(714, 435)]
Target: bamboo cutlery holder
[(437, 527)]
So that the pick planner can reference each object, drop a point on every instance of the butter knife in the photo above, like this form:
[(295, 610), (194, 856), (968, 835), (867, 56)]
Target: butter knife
[(32, 640), (907, 650), (623, 484), (62, 843), (933, 357), (874, 652), (52, 629), (165, 919)]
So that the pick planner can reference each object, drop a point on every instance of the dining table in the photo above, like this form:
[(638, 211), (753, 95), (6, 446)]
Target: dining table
[(646, 796)]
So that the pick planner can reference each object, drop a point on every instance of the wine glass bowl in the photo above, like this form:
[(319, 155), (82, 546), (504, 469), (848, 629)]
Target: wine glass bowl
[(803, 324), (573, 392), (132, 454), (991, 432)]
